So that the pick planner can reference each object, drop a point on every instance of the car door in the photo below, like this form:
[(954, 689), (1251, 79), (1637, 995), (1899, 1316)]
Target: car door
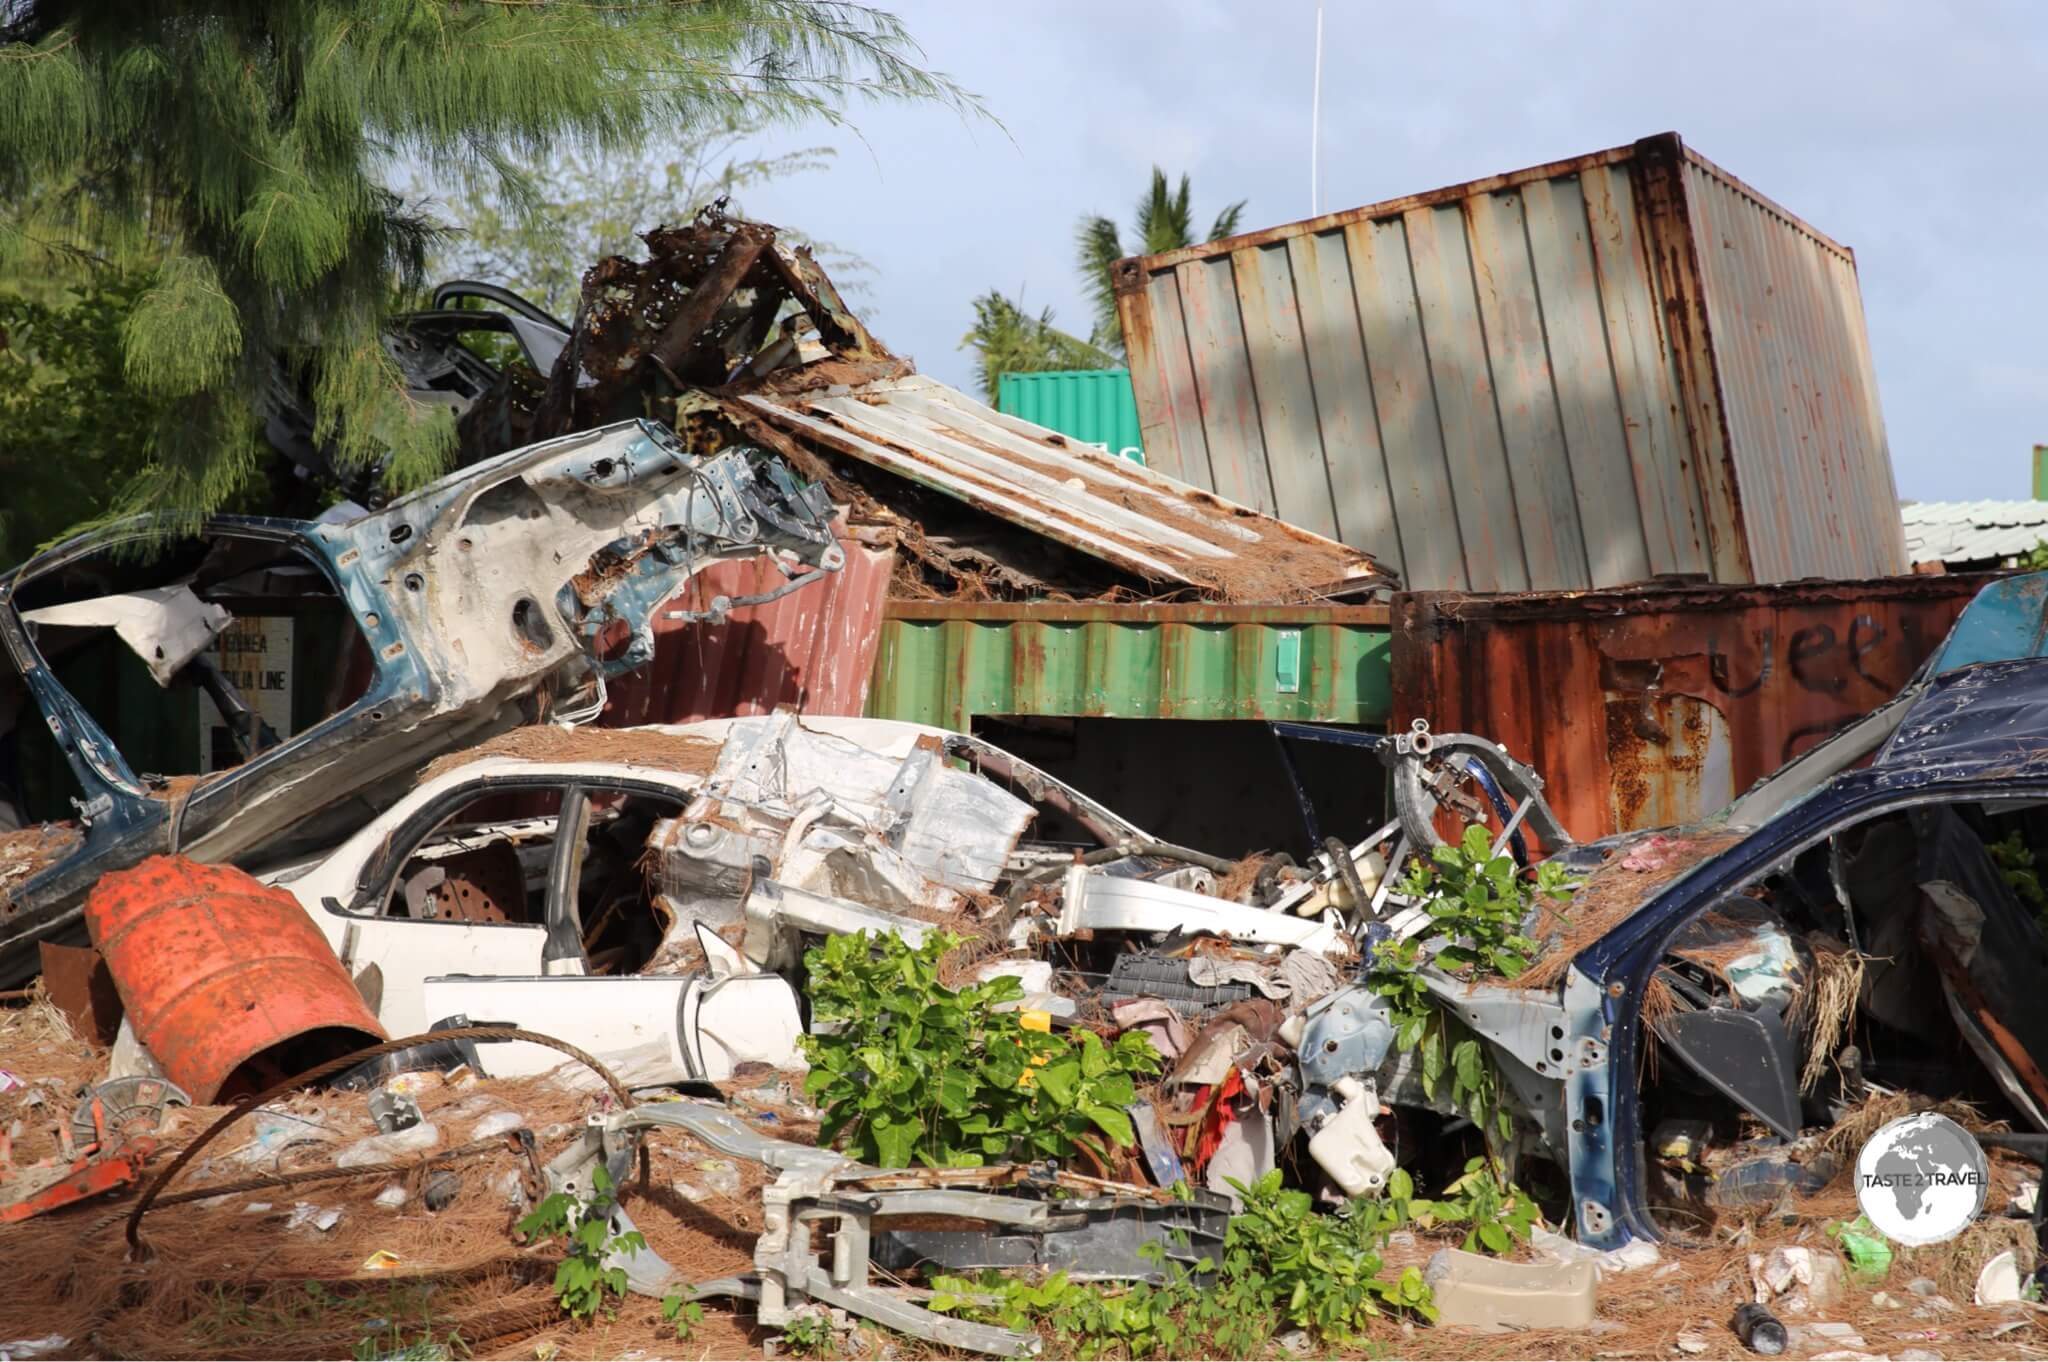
[(453, 884)]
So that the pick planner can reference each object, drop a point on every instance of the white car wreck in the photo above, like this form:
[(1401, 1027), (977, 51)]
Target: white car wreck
[(643, 893)]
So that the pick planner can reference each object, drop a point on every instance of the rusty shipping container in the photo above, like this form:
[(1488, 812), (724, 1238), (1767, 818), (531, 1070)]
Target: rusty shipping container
[(1646, 708), (1603, 370)]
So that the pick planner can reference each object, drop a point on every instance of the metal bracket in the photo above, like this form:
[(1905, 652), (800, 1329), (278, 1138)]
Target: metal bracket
[(820, 1194)]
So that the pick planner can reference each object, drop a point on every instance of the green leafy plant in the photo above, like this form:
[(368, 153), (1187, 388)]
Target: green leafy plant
[(1283, 1265), (1499, 1213), (684, 1313), (583, 1283), (1479, 902), (2034, 559), (918, 1073), (808, 1336), (2016, 867)]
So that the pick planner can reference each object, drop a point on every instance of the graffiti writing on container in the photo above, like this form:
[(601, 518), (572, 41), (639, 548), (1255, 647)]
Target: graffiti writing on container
[(1816, 657)]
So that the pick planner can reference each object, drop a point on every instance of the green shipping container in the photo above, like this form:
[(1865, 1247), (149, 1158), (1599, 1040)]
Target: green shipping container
[(1094, 406), (943, 662)]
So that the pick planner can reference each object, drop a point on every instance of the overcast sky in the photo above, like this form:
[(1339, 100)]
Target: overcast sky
[(1910, 132)]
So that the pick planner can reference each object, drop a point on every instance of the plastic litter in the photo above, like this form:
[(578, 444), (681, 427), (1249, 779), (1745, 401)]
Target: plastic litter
[(321, 1218), (1558, 1248), (394, 1111), (392, 1197), (497, 1123), (385, 1148), (1999, 1282), (383, 1260), (1868, 1252), (721, 1176)]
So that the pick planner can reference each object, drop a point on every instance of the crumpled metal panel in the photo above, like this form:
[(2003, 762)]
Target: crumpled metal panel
[(1109, 508), (1644, 709), (814, 649)]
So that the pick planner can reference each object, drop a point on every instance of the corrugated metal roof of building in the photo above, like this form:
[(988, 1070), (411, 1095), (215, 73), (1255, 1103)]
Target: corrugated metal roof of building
[(1112, 509), (1957, 532)]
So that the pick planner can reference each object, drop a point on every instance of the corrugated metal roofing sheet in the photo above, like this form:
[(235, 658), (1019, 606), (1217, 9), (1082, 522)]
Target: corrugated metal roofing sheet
[(1120, 512), (1587, 373), (1958, 532), (1812, 468)]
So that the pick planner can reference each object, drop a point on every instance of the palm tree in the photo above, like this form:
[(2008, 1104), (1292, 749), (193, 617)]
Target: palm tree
[(1165, 222), (1008, 340)]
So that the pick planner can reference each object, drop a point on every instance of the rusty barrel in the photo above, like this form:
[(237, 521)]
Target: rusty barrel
[(226, 981)]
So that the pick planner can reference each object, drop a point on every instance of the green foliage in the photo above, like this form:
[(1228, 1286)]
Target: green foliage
[(2016, 867), (73, 430), (684, 1313), (1499, 1213), (920, 1073), (1479, 902), (582, 1281), (808, 1336), (1164, 221), (1008, 340), (540, 242), (249, 144), (2034, 559), (1284, 1266)]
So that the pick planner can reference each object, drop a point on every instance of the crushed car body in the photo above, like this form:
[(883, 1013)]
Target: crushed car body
[(536, 571)]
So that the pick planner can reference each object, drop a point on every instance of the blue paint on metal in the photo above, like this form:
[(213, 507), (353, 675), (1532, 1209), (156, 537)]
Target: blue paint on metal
[(2008, 618), (1968, 734)]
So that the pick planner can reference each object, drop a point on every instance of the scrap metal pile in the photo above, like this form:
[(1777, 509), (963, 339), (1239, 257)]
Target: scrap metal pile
[(654, 903), (450, 1002)]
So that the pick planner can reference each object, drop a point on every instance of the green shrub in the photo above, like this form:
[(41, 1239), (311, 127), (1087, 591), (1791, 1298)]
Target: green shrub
[(921, 1073)]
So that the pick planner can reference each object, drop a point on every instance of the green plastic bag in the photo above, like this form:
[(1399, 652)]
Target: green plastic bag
[(1868, 1252)]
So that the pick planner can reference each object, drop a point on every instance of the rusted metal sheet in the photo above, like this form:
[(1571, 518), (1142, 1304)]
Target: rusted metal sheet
[(813, 648), (226, 981), (1111, 509), (1646, 708), (1597, 371)]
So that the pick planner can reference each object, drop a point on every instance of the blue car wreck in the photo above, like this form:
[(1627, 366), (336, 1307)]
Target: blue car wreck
[(1714, 1001), (506, 591)]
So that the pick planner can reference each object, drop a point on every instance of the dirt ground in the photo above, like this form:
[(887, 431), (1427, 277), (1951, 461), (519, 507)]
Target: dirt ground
[(234, 1277)]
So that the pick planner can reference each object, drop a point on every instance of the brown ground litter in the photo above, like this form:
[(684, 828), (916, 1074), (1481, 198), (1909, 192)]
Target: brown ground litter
[(1609, 897), (1849, 1134), (1237, 882), (1826, 1007), (553, 743), (26, 850)]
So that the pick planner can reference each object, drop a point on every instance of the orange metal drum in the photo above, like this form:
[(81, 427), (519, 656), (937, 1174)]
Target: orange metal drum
[(228, 983)]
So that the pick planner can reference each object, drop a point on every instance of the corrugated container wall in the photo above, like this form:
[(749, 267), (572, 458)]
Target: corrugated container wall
[(1594, 372), (1645, 708), (1094, 406)]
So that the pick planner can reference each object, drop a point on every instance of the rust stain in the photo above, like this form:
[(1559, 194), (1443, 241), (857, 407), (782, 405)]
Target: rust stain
[(1622, 700)]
